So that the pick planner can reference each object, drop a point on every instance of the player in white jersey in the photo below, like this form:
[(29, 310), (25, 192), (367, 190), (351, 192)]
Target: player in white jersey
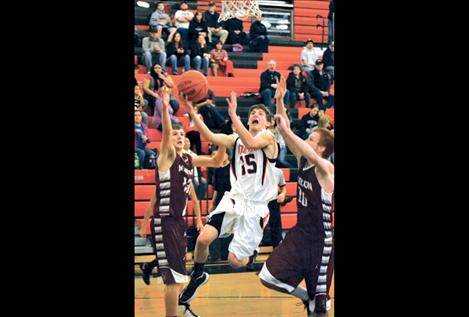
[(243, 211)]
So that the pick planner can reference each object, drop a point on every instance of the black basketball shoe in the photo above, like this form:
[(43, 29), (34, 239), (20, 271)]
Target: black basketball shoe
[(146, 273), (187, 311), (190, 291), (252, 258)]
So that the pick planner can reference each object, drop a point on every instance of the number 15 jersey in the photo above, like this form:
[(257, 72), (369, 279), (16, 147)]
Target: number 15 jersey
[(252, 174)]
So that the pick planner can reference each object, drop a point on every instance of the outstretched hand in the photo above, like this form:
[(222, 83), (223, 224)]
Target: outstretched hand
[(281, 88), (232, 104), (187, 104), (281, 122)]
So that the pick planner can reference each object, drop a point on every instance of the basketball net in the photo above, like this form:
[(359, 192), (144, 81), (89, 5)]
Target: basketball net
[(241, 9)]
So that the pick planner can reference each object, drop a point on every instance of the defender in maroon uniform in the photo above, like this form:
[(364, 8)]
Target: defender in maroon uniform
[(174, 174), (306, 251)]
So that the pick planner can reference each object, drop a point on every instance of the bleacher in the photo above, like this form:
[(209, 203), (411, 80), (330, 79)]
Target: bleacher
[(248, 67)]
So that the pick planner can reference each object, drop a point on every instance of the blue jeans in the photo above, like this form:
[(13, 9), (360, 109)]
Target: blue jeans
[(330, 71), (149, 57), (174, 62), (267, 95), (200, 188), (145, 118), (197, 61), (294, 97), (143, 156), (331, 30), (281, 158)]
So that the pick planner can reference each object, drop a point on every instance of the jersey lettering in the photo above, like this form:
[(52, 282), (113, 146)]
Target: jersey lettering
[(250, 161)]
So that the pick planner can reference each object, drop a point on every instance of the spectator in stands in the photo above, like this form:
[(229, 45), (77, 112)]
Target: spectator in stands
[(153, 49), (139, 104), (162, 21), (308, 56), (200, 183), (259, 41), (325, 122), (197, 27), (330, 18), (200, 54), (269, 81), (322, 82), (328, 59), (234, 26), (211, 117), (220, 178), (178, 53), (308, 122), (297, 84), (141, 140), (281, 162), (214, 27), (183, 18), (219, 59), (152, 86)]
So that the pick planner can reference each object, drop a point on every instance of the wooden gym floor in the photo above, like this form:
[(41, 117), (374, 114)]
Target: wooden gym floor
[(233, 294)]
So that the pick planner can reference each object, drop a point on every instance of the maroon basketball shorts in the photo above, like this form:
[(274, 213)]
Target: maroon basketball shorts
[(300, 256), (170, 246)]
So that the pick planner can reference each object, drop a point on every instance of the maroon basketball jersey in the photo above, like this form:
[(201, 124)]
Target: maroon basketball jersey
[(173, 187), (314, 204)]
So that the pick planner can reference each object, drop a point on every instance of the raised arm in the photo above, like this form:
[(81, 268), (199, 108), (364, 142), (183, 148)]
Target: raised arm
[(167, 150), (325, 167), (260, 141), (215, 161), (218, 138)]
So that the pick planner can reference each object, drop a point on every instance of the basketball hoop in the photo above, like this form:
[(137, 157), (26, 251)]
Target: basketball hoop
[(241, 9)]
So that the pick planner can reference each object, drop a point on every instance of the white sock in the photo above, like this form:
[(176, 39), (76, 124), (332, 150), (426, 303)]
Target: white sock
[(301, 293)]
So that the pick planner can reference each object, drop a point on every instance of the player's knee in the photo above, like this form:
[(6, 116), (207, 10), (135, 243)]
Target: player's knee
[(204, 241)]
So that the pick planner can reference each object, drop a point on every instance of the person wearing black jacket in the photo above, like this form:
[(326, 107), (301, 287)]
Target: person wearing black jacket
[(200, 54), (308, 122), (196, 27), (328, 59), (269, 79), (330, 19), (214, 27), (178, 54), (234, 26), (259, 41), (322, 82), (298, 87)]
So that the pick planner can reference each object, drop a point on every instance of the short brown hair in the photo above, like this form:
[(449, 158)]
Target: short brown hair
[(262, 107), (326, 139)]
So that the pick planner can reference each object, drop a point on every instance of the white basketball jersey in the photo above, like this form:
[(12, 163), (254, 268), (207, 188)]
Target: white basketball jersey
[(252, 174)]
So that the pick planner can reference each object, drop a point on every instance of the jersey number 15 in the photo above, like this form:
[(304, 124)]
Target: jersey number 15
[(248, 160)]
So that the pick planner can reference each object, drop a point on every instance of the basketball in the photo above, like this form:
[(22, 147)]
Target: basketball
[(194, 85)]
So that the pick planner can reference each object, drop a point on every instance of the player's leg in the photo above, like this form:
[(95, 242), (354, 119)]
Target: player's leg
[(171, 296)]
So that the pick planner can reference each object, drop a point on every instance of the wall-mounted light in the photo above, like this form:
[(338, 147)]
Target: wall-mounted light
[(143, 4)]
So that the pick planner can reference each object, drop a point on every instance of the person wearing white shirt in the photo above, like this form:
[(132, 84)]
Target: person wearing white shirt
[(308, 57), (183, 18)]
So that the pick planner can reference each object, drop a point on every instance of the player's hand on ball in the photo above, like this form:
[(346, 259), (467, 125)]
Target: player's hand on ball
[(232, 104)]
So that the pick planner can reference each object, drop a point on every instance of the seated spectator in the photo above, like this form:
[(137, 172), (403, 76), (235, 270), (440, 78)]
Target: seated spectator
[(308, 56), (162, 21), (297, 84), (197, 27), (139, 104), (141, 140), (154, 50), (214, 27), (178, 54), (269, 80), (219, 59), (183, 18), (328, 59), (234, 26), (200, 183), (152, 86), (211, 117), (259, 41), (308, 122), (322, 82), (200, 54), (157, 115)]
